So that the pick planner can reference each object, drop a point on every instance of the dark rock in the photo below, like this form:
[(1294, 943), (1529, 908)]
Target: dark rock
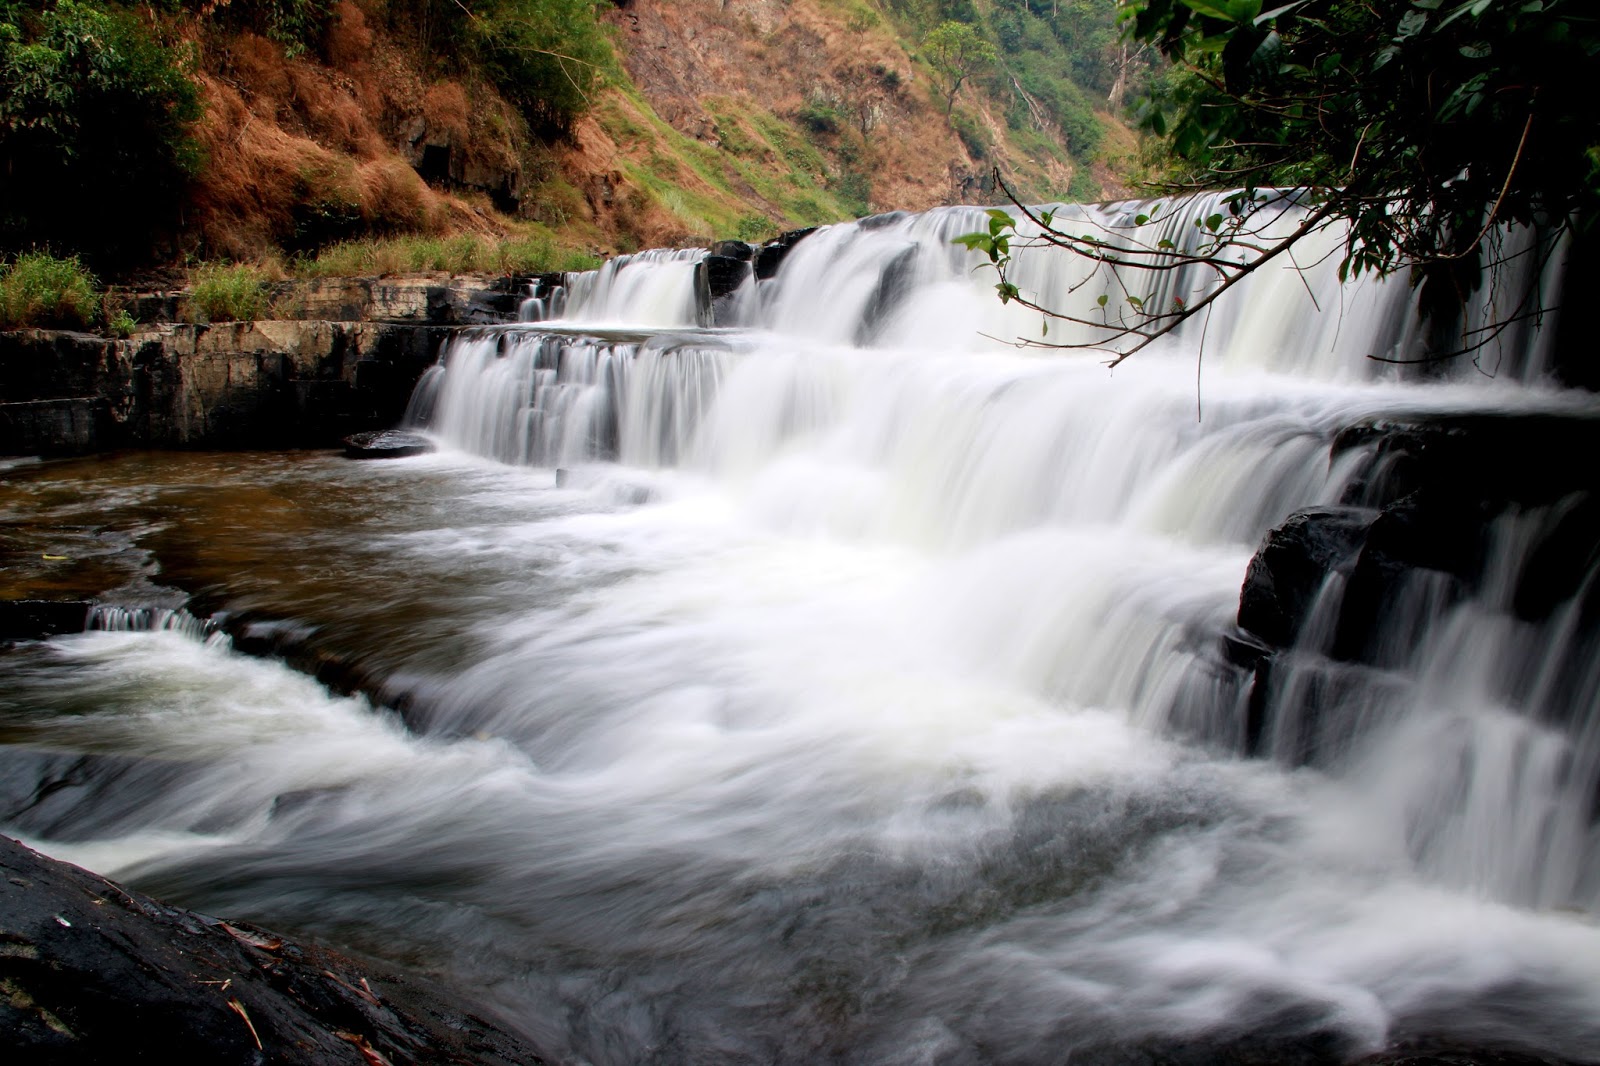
[(75, 425), (773, 253), (547, 283), (883, 221), (1429, 545), (94, 972), (386, 444), (734, 250), (1499, 457), (893, 285), (36, 619), (716, 277), (1293, 564)]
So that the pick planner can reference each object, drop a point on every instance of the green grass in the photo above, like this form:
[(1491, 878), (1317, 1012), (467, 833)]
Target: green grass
[(40, 290), (462, 254), (227, 292)]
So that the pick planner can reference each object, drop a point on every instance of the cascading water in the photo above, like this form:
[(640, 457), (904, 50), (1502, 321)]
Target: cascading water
[(843, 683)]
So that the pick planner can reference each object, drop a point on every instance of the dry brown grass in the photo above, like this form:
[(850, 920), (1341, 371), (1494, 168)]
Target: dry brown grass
[(291, 139)]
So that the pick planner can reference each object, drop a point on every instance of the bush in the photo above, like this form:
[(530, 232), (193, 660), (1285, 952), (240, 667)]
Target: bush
[(40, 290), (95, 120), (222, 292), (546, 56)]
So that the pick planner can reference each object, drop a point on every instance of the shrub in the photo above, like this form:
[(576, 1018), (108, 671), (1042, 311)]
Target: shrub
[(223, 292), (38, 289), (546, 56), (95, 120)]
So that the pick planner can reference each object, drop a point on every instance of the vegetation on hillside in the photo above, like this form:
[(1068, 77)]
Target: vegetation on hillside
[(319, 135)]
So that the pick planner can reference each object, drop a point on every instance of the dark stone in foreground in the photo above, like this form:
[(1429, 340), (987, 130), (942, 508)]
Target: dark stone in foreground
[(36, 619), (386, 444), (93, 973)]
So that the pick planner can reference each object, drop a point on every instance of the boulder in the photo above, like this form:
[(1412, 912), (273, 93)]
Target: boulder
[(773, 253), (715, 278), (1292, 565), (94, 972), (386, 444)]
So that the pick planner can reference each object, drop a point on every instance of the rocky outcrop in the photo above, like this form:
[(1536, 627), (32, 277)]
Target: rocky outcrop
[(226, 385), (716, 279), (94, 972), (1430, 519), (774, 252), (437, 300)]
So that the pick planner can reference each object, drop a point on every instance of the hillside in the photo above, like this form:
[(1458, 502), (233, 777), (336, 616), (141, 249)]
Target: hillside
[(280, 129)]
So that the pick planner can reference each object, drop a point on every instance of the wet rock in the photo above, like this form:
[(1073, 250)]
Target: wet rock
[(715, 278), (1293, 564), (386, 444), (36, 619), (734, 250), (773, 253), (93, 972), (1496, 457), (894, 284)]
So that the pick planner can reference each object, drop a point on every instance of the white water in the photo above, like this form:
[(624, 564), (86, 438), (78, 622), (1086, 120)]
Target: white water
[(849, 685)]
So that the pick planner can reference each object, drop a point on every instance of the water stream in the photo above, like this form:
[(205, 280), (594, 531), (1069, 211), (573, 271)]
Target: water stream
[(843, 684)]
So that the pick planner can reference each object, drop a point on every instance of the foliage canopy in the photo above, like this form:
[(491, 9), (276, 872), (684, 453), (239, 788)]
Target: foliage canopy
[(1426, 127), (95, 119), (1424, 121)]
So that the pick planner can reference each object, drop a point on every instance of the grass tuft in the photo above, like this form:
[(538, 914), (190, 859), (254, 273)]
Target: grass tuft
[(40, 290), (227, 292)]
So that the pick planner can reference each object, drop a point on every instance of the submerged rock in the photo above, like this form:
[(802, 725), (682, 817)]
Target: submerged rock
[(386, 444), (93, 972)]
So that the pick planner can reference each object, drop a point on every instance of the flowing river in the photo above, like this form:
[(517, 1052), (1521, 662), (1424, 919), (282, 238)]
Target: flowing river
[(838, 684)]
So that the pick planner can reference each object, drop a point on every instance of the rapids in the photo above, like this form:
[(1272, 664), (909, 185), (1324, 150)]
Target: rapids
[(841, 683)]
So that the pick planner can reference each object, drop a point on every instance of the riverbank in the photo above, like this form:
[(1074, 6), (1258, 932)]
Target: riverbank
[(341, 356)]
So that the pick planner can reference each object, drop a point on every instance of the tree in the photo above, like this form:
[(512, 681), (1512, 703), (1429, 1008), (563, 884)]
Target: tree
[(95, 131), (1427, 128), (956, 52)]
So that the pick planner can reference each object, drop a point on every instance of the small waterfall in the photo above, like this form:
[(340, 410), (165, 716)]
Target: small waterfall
[(113, 619), (653, 288)]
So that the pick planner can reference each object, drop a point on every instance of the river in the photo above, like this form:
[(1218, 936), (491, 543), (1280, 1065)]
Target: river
[(841, 684)]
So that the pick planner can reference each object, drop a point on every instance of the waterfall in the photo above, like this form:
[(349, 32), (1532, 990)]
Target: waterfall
[(869, 398), (803, 671)]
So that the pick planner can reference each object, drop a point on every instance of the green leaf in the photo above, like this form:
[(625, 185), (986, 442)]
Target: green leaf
[(1268, 16), (1139, 220), (1007, 291), (1208, 9), (1213, 223), (1103, 299)]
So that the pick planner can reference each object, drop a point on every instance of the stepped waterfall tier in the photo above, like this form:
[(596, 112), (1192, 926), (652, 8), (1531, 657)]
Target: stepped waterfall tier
[(774, 663)]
